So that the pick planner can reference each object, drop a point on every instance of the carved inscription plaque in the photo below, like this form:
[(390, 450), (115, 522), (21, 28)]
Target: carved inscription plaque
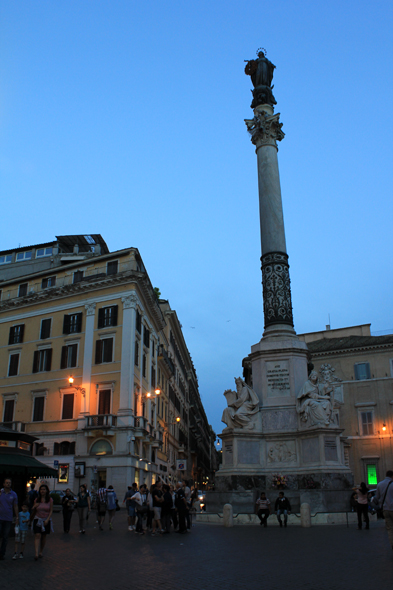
[(277, 375), (331, 448), (228, 453)]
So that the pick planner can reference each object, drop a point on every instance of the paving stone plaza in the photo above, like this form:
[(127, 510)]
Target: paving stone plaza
[(210, 558)]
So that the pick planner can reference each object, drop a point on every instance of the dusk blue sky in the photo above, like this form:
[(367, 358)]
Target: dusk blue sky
[(126, 118)]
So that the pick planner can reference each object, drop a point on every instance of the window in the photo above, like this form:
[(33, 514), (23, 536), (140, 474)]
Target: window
[(48, 282), (104, 351), (38, 409), (138, 322), (6, 259), (23, 256), (104, 401), (42, 360), (68, 406), (367, 420), (137, 353), (16, 334), (111, 268), (13, 365), (101, 447), (8, 413), (72, 323), (22, 289), (371, 474), (39, 449), (146, 337), (64, 448), (41, 252), (45, 328), (362, 371), (69, 355), (107, 316), (153, 377), (144, 365), (78, 276), (153, 350)]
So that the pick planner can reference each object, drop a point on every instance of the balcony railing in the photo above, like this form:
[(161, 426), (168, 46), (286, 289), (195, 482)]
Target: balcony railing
[(18, 426), (140, 422), (101, 421), (162, 353)]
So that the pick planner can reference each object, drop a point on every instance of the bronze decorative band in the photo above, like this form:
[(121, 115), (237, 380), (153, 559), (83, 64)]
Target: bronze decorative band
[(277, 302)]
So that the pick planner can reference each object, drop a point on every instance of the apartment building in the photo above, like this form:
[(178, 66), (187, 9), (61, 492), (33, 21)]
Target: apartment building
[(95, 366)]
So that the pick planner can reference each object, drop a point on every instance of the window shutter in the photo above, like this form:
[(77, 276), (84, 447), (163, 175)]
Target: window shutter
[(36, 361), (101, 316), (38, 414), (48, 359), (45, 329), (66, 324), (98, 352), (114, 317), (11, 336), (78, 322), (21, 332), (68, 406), (108, 350), (136, 360), (104, 403), (74, 350), (9, 410), (63, 362)]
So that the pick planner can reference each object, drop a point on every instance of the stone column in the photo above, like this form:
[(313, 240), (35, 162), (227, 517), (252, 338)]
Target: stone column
[(265, 131), (127, 355), (88, 356)]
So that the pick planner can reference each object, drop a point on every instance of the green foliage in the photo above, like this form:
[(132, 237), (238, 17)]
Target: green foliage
[(56, 498), (157, 292)]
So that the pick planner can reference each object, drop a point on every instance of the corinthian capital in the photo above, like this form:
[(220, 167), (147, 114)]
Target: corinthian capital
[(90, 308), (265, 129), (130, 301)]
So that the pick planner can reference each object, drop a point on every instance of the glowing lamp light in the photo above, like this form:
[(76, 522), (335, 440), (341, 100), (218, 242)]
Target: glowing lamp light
[(178, 419), (157, 391), (384, 427), (70, 380), (148, 394)]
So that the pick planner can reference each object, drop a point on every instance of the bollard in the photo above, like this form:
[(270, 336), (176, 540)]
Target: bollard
[(228, 515), (305, 515)]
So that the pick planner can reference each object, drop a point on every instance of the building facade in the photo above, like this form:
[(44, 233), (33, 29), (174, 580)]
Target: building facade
[(360, 366), (95, 366)]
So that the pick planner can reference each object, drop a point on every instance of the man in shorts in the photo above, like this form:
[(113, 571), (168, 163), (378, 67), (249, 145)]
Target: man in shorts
[(131, 505), (157, 503)]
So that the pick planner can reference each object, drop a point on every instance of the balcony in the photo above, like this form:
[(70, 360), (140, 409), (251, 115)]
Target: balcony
[(158, 440), (163, 355), (140, 425), (17, 426), (104, 422)]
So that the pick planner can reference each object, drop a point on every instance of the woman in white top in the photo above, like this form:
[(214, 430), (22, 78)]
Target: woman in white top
[(141, 508), (362, 506)]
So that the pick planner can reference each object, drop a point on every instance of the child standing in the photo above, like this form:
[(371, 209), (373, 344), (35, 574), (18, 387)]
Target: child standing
[(24, 518)]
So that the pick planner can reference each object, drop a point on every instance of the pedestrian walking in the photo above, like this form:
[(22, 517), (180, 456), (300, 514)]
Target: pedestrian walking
[(142, 508), (158, 500), (68, 505), (101, 501), (173, 509), (282, 506), (384, 498), (362, 505), (187, 493), (42, 519), (166, 509), (83, 507), (8, 510), (21, 531), (131, 505), (32, 494), (181, 505), (111, 505), (263, 509)]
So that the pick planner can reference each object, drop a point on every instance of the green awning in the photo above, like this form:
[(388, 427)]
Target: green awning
[(14, 463)]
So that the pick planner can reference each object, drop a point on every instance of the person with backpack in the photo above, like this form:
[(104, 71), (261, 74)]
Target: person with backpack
[(362, 505)]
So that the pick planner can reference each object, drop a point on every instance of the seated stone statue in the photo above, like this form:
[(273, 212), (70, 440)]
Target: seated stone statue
[(315, 402), (243, 405)]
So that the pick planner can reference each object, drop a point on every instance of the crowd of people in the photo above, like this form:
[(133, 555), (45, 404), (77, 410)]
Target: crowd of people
[(157, 511)]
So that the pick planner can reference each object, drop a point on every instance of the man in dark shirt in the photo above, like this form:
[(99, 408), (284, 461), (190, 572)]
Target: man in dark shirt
[(282, 506), (32, 495), (131, 505), (181, 505)]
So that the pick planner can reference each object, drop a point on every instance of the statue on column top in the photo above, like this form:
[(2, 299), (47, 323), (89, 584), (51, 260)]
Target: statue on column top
[(261, 72)]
